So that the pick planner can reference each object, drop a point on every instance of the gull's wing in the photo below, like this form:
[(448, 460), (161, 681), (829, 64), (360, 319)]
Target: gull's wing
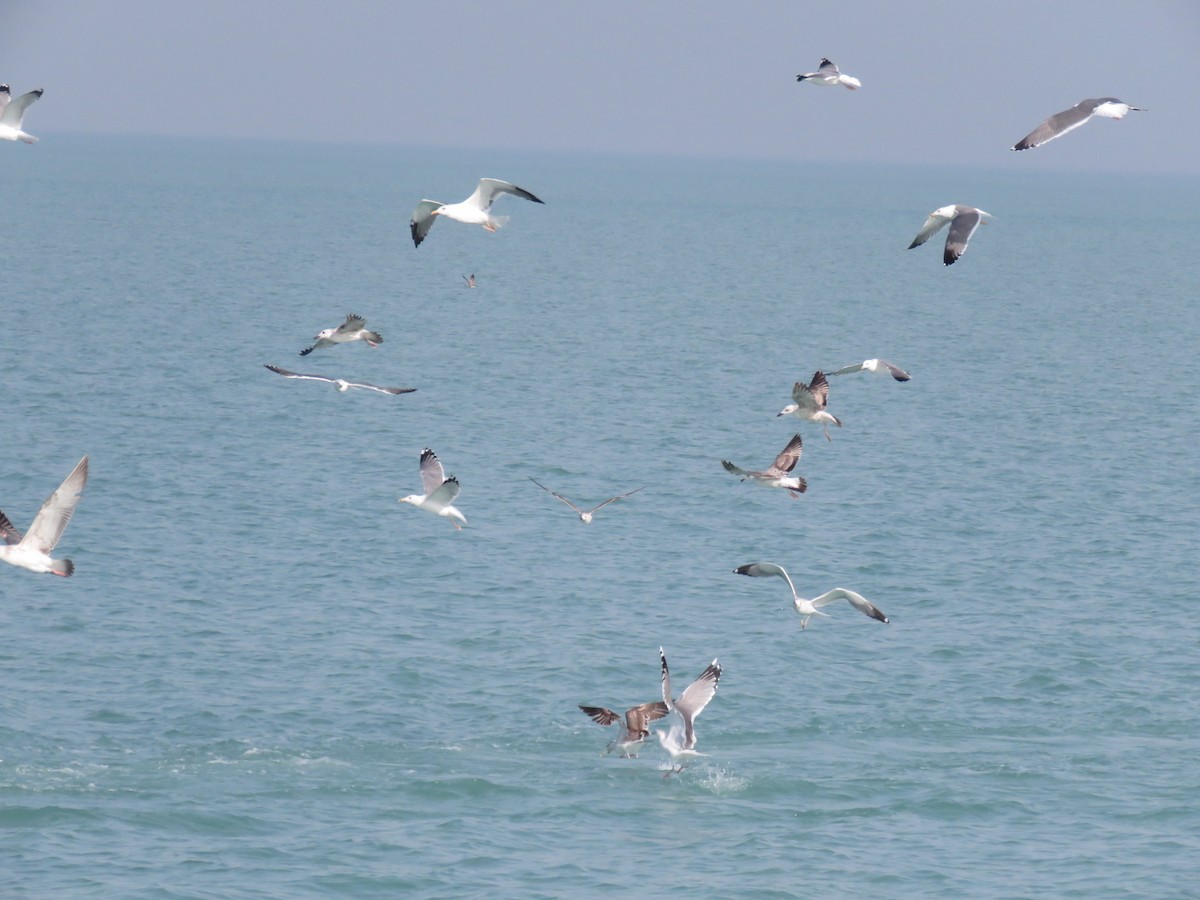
[(788, 457), (14, 112), (737, 470), (9, 531), (600, 715), (286, 374), (352, 323), (961, 229), (858, 601), (636, 717), (382, 390), (56, 512), (422, 220), (612, 499), (666, 681), (932, 225), (814, 395), (1058, 125), (763, 570), (874, 365), (485, 193), (695, 697), (827, 68), (555, 494), (445, 493), (432, 473)]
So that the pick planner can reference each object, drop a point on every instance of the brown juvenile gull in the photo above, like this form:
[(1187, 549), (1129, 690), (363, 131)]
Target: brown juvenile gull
[(585, 516), (680, 740), (809, 402), (340, 383), (880, 366), (1070, 119), (809, 608), (475, 210), (440, 491), (32, 551), (776, 475), (634, 731), (353, 329), (963, 221)]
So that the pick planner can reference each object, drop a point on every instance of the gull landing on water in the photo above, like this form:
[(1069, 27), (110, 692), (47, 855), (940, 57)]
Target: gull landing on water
[(340, 383), (585, 516), (353, 329), (1070, 119), (880, 366), (827, 74), (440, 491), (963, 221), (12, 114), (475, 210), (634, 730), (809, 608), (680, 740), (32, 551), (809, 402), (776, 475)]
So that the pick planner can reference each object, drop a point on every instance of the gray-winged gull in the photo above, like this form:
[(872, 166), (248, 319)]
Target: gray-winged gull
[(879, 366), (585, 515), (809, 608), (32, 550), (827, 74), (809, 402), (12, 115), (1070, 119), (340, 383), (680, 740), (353, 329), (475, 210), (963, 221), (440, 491), (777, 474)]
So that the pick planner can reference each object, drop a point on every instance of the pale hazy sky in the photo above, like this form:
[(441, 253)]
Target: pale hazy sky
[(944, 83)]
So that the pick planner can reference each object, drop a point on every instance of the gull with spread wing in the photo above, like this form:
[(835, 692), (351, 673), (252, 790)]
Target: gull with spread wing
[(475, 210), (340, 383), (809, 608), (633, 730), (680, 740), (585, 515), (353, 329), (809, 402), (440, 491), (963, 220), (32, 550), (777, 474)]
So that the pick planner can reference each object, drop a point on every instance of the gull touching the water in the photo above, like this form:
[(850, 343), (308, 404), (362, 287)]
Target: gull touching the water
[(633, 731), (585, 516), (880, 366), (32, 551), (475, 210), (353, 329), (776, 475), (810, 401), (828, 74), (680, 740), (12, 114), (440, 491), (340, 383), (809, 608), (963, 221), (1070, 119)]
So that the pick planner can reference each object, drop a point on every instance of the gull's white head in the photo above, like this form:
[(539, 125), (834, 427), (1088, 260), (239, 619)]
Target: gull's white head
[(944, 212), (787, 410), (341, 384), (327, 333), (411, 498)]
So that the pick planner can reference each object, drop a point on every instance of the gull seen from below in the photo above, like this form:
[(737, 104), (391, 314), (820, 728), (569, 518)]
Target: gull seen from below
[(32, 551), (827, 74), (776, 475), (963, 221), (12, 114), (585, 516), (809, 402), (340, 383), (809, 608), (353, 329), (879, 366), (633, 730), (475, 210), (680, 740), (1070, 119), (440, 491)]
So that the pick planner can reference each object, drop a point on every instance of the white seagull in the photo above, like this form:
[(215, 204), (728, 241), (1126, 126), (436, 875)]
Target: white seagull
[(353, 329), (12, 114), (776, 475), (340, 383), (809, 402), (633, 731), (880, 366), (827, 74), (1070, 119), (472, 211), (32, 551), (440, 491), (963, 222), (680, 740), (809, 608), (585, 516)]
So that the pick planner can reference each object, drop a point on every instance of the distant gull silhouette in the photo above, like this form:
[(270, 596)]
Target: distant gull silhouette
[(585, 516), (1070, 119), (809, 402), (340, 383), (32, 551), (881, 366), (353, 329), (963, 221), (680, 740), (827, 74), (12, 114), (475, 210), (440, 491), (633, 730), (470, 279), (776, 475), (809, 608)]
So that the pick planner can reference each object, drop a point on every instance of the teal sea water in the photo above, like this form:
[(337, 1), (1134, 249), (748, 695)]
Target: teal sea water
[(268, 678)]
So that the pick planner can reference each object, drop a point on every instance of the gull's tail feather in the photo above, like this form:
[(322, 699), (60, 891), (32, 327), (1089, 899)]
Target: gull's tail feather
[(495, 223), (63, 567)]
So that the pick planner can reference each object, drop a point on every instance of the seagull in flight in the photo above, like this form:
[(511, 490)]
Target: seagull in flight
[(475, 210), (809, 402), (880, 366), (633, 731), (680, 740), (353, 329), (963, 221), (585, 516), (827, 74), (809, 608), (32, 551), (340, 383), (1070, 119), (776, 475), (12, 114), (440, 491), (469, 279)]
